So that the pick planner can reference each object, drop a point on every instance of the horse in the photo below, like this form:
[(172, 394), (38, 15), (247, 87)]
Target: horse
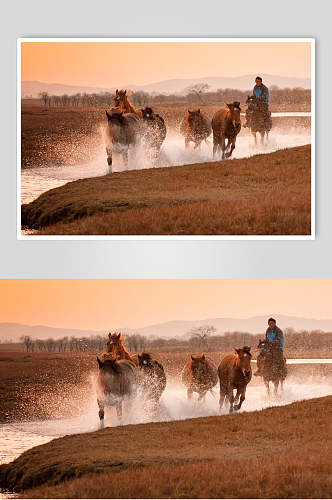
[(115, 382), (234, 372), (258, 118), (272, 366), (152, 377), (199, 375), (226, 124), (154, 131), (122, 133), (117, 350), (122, 103), (195, 127)]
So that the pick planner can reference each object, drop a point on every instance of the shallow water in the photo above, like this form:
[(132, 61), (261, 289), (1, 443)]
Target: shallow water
[(15, 438), (35, 181)]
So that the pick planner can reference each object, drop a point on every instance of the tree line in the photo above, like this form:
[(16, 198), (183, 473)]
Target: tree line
[(196, 94), (200, 338)]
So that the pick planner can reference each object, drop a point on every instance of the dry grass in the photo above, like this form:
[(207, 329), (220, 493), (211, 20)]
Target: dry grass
[(273, 476), (264, 194), (279, 452)]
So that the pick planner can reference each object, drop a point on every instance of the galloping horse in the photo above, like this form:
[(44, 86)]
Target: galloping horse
[(122, 103), (152, 377), (226, 124), (199, 375), (272, 366), (116, 348), (122, 132), (258, 118), (195, 127), (154, 131), (234, 373), (115, 382)]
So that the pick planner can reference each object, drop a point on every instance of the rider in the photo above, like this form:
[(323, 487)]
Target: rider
[(261, 92), (275, 339), (262, 95)]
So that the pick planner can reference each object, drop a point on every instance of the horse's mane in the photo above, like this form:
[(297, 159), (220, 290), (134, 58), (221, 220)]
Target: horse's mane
[(124, 104)]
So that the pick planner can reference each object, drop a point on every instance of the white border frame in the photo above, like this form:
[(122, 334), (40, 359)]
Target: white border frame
[(310, 40)]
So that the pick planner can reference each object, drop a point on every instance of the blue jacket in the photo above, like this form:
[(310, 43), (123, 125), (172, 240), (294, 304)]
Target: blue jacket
[(275, 337), (262, 92)]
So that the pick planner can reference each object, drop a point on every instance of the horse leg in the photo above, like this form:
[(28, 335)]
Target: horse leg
[(281, 385), (231, 399), (119, 411), (242, 398), (262, 137), (267, 385), (232, 149), (276, 383), (186, 142), (237, 396), (201, 396), (109, 158), (215, 145), (222, 397), (189, 393), (101, 413), (255, 137), (125, 158), (223, 147)]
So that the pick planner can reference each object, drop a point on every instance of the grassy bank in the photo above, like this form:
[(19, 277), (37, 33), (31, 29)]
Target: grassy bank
[(281, 452), (264, 194)]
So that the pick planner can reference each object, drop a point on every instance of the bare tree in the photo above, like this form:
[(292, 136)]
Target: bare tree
[(202, 333), (27, 341), (198, 90)]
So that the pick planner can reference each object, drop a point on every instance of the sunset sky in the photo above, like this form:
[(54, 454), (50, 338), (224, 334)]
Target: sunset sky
[(114, 64), (103, 304)]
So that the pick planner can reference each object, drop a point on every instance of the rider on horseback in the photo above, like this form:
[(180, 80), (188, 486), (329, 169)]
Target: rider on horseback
[(259, 101), (274, 338)]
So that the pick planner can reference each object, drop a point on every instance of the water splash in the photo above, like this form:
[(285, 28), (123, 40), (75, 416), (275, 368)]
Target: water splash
[(35, 181)]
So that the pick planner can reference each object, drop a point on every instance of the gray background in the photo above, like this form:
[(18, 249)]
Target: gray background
[(169, 259)]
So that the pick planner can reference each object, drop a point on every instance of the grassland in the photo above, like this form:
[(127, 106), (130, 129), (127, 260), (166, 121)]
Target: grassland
[(264, 194), (281, 452)]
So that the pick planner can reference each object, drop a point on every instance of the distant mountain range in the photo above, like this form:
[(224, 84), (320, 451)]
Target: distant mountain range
[(173, 86), (170, 329)]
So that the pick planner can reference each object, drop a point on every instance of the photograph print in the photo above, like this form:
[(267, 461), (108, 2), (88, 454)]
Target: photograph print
[(169, 138)]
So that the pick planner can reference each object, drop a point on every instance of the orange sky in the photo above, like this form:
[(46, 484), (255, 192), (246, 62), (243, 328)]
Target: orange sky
[(112, 64), (102, 304)]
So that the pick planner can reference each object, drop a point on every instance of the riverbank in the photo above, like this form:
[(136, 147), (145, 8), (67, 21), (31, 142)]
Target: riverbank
[(264, 194), (274, 453)]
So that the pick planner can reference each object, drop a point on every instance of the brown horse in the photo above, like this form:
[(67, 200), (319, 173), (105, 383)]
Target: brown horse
[(154, 131), (258, 118), (226, 124), (195, 127), (272, 366), (234, 373), (115, 382), (122, 133), (153, 378), (199, 375), (122, 103), (117, 350)]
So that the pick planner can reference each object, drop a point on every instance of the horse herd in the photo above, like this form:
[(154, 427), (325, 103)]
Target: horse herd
[(121, 375), (127, 127)]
